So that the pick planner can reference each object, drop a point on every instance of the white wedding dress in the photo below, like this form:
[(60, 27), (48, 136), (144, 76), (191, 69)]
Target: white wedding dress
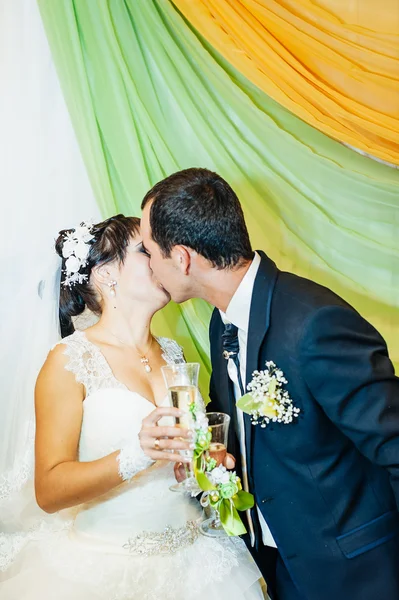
[(139, 541)]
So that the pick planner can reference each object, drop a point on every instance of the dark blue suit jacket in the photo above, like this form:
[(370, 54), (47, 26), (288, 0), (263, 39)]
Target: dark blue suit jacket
[(328, 484)]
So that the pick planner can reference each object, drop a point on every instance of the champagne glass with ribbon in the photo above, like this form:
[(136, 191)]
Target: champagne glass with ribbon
[(182, 382), (218, 424), (222, 488), (219, 428)]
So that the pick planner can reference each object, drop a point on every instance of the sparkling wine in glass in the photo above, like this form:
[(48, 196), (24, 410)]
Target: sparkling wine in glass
[(219, 426), (182, 383), (218, 451), (181, 397)]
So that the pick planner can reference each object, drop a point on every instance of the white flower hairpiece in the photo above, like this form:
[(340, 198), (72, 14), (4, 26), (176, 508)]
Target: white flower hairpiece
[(76, 250)]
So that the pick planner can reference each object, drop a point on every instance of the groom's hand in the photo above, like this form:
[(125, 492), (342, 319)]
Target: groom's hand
[(159, 442), (229, 462), (180, 472)]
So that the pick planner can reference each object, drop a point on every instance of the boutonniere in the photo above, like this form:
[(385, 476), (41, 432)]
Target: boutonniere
[(267, 400)]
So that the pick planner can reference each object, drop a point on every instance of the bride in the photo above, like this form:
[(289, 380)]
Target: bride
[(104, 447)]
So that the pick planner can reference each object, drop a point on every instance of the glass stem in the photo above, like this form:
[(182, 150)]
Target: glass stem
[(189, 470), (216, 520)]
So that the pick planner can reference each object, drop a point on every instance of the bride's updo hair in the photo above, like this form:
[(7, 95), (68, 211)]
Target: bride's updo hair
[(110, 241)]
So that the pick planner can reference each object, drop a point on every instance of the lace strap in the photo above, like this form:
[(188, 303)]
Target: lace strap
[(84, 361), (172, 352)]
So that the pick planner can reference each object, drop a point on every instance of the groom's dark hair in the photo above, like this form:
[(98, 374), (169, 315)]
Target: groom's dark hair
[(197, 208)]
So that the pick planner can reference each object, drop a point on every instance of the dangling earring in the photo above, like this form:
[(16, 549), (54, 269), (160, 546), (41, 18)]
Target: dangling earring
[(111, 286), (112, 292)]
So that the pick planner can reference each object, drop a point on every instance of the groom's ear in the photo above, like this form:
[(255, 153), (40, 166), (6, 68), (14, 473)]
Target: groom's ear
[(181, 257)]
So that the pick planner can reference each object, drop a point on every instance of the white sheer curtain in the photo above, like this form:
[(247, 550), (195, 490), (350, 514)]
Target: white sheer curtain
[(43, 188)]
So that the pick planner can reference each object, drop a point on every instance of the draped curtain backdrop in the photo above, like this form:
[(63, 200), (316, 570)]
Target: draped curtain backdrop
[(334, 63), (148, 95)]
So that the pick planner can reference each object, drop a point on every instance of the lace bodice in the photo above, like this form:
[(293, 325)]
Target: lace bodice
[(112, 418), (90, 367)]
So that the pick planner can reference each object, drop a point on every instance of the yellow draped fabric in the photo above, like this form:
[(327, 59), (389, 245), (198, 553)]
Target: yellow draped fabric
[(334, 63)]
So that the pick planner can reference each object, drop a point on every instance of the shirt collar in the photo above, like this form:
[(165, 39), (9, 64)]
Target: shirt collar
[(240, 305)]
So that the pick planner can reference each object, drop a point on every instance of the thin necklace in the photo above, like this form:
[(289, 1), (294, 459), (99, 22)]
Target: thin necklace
[(143, 356)]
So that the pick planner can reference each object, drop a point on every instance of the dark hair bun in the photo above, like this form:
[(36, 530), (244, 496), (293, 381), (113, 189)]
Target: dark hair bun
[(110, 242), (71, 305), (59, 243)]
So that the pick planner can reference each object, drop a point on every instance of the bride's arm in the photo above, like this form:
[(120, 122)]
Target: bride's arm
[(61, 481)]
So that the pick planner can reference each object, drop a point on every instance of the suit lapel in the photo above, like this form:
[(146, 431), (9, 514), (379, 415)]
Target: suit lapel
[(259, 321)]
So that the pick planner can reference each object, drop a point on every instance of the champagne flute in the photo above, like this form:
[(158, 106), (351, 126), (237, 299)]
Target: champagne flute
[(219, 426), (182, 382)]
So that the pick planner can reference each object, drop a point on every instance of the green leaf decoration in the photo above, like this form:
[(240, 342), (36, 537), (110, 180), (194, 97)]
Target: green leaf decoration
[(243, 500), (230, 519), (272, 386), (247, 404), (204, 482)]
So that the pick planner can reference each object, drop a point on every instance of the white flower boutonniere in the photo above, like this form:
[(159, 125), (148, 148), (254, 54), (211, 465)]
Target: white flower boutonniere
[(267, 400)]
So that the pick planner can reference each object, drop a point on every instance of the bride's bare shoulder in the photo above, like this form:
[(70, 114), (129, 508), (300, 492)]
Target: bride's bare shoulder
[(55, 370), (57, 356)]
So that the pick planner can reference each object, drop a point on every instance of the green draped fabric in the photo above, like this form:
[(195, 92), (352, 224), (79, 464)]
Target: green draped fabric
[(148, 96)]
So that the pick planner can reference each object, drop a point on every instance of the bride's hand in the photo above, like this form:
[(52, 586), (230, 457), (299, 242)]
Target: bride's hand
[(159, 442)]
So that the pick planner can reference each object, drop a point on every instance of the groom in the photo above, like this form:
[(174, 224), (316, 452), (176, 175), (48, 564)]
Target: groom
[(326, 485)]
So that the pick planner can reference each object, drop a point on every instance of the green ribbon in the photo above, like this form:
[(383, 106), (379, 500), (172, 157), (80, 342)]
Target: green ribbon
[(227, 507), (228, 515)]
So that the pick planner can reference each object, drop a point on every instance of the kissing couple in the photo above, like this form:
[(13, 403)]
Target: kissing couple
[(322, 459)]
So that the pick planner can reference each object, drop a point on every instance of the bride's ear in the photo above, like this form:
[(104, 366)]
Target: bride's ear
[(181, 257), (103, 274)]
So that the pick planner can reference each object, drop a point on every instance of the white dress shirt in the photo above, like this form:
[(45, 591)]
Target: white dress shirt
[(237, 313)]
